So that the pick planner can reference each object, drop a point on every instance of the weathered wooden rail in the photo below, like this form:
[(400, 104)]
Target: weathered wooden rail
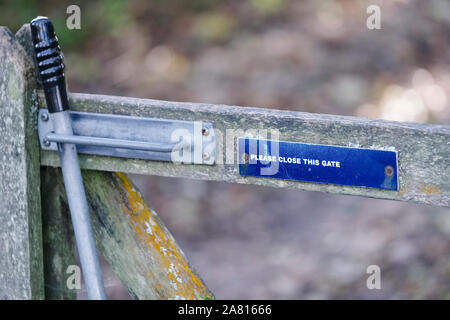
[(424, 149), (36, 242)]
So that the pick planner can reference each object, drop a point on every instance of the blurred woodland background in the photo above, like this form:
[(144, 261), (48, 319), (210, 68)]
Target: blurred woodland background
[(250, 242)]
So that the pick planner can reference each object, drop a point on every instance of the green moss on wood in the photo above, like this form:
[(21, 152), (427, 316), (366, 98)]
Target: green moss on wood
[(21, 265)]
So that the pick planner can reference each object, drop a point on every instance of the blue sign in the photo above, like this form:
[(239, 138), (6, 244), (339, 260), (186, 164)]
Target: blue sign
[(318, 163)]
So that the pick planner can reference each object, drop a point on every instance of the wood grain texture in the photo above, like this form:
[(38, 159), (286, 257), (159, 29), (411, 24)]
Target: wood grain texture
[(21, 262), (128, 233), (423, 149), (135, 242)]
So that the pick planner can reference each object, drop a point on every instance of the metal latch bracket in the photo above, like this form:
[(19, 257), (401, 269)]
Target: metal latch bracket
[(188, 142)]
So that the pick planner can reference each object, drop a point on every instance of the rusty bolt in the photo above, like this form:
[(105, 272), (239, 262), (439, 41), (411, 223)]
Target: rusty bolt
[(389, 171)]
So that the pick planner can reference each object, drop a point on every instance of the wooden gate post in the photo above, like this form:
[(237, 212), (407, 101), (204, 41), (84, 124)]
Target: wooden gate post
[(21, 262)]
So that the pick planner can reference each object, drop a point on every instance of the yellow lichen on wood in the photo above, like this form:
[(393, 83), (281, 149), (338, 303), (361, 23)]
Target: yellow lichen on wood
[(148, 228), (430, 189)]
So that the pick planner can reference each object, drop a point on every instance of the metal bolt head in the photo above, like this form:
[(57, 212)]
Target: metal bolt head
[(205, 131), (245, 158), (46, 142), (44, 116), (206, 156)]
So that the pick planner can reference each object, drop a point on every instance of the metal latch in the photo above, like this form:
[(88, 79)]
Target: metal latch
[(190, 142)]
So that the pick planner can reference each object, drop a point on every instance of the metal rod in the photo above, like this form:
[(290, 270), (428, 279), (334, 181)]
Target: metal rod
[(114, 143), (79, 209), (51, 71)]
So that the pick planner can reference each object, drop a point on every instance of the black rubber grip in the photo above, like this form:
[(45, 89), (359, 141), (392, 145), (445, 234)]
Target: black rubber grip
[(50, 64)]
